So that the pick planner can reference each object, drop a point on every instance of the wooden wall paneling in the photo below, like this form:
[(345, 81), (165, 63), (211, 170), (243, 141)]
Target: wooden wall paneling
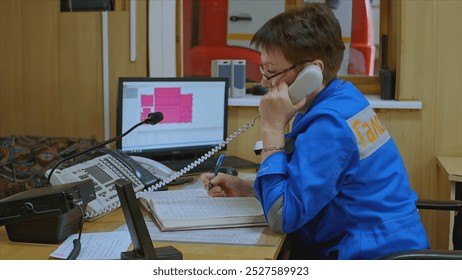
[(119, 59), (121, 5), (447, 96), (11, 85), (243, 145), (448, 74), (416, 66), (429, 64), (39, 53), (80, 75), (416, 69), (52, 67), (119, 53), (402, 125), (413, 143)]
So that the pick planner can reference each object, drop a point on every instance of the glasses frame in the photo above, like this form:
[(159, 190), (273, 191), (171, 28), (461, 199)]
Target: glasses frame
[(293, 66)]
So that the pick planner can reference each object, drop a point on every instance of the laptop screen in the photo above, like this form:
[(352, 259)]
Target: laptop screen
[(194, 109)]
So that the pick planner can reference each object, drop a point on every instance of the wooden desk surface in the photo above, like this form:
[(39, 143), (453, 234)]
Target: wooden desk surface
[(193, 251), (452, 166)]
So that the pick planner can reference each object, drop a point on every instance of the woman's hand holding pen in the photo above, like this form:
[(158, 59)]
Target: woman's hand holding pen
[(227, 185)]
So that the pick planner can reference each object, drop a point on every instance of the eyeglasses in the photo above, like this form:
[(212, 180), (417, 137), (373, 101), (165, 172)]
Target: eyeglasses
[(268, 78)]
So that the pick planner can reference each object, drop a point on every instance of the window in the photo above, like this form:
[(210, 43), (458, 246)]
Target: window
[(211, 29)]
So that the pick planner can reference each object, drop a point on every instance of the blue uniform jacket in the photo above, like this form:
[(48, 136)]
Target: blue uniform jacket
[(340, 189)]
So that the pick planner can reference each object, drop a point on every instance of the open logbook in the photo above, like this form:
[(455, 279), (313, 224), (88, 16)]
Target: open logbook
[(193, 209)]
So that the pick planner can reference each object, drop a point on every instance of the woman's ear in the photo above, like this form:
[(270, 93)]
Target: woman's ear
[(319, 63)]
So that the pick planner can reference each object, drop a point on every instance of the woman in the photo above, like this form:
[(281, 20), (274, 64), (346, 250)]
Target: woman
[(336, 184)]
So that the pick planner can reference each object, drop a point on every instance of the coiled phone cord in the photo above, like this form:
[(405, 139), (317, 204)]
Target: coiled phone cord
[(203, 158), (92, 214)]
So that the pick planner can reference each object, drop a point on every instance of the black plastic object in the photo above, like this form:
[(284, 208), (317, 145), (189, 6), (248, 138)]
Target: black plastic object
[(86, 5), (387, 78), (228, 170), (142, 243), (46, 214)]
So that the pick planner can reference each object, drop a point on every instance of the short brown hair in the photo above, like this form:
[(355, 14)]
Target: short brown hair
[(306, 33)]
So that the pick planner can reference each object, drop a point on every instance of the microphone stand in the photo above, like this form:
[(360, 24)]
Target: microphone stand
[(152, 119)]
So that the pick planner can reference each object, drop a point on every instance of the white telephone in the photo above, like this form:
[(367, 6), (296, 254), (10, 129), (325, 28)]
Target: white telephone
[(107, 168), (308, 80)]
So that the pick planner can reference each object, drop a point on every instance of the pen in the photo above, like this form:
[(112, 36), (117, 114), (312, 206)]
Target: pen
[(217, 167)]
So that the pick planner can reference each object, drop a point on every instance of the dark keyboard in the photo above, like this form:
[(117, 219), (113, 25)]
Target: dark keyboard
[(209, 164)]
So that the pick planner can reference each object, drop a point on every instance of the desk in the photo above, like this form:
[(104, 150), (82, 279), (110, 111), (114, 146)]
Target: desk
[(450, 178), (192, 251)]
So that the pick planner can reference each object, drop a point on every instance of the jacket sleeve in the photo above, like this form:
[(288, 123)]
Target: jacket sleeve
[(294, 188)]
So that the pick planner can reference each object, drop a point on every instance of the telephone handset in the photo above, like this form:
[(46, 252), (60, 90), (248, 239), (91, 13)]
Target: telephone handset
[(307, 81), (161, 171)]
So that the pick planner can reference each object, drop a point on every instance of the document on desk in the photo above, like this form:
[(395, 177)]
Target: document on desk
[(229, 236), (232, 236), (188, 209), (96, 246)]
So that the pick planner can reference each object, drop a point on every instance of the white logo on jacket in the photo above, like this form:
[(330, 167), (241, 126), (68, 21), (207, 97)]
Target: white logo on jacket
[(369, 132)]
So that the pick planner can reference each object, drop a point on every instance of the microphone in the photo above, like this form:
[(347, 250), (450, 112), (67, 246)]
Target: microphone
[(152, 119)]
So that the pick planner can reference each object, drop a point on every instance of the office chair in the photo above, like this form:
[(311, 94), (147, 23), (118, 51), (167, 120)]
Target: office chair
[(429, 254)]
